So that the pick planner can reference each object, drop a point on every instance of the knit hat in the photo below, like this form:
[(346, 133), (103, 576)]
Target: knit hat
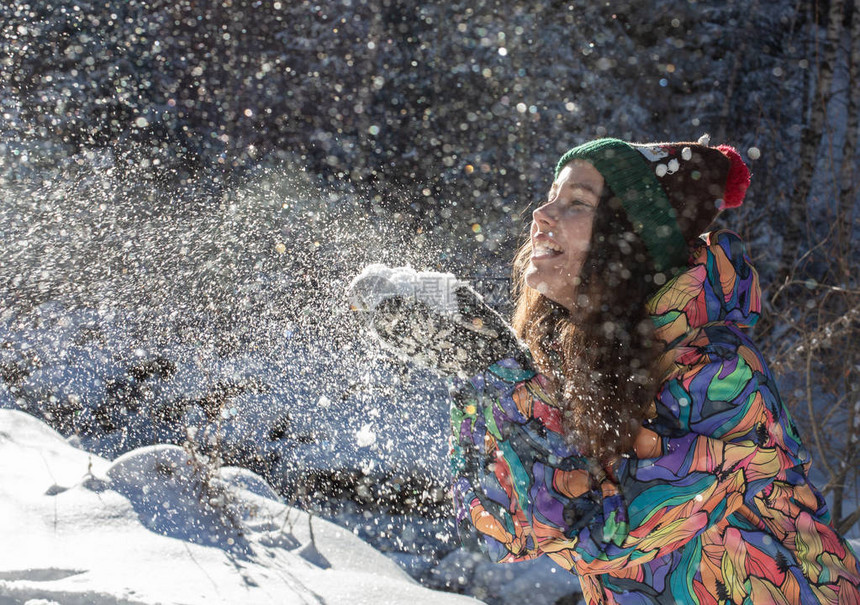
[(671, 192)]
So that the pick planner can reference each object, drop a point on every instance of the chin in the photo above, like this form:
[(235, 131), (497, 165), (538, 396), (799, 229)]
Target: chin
[(534, 282), (532, 279)]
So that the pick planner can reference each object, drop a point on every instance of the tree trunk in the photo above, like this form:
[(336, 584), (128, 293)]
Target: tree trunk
[(847, 277), (811, 137), (739, 53), (847, 179)]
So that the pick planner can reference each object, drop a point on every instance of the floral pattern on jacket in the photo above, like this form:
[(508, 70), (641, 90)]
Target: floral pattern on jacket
[(718, 510)]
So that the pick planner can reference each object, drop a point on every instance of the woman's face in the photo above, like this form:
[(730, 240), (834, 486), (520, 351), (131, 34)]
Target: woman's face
[(561, 232)]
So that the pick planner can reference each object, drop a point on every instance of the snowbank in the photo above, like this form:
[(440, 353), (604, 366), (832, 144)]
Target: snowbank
[(155, 526)]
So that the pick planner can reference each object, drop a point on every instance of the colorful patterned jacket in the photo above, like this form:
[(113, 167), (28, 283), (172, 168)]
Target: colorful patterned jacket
[(719, 509)]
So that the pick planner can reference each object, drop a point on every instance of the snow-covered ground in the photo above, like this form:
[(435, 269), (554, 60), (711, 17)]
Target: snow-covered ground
[(154, 526)]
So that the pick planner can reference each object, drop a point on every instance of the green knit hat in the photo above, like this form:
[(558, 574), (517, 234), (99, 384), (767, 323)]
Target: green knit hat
[(671, 192)]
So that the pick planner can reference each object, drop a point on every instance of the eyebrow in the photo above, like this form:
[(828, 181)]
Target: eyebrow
[(585, 186)]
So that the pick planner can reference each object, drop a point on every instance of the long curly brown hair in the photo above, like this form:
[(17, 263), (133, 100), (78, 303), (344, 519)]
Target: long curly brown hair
[(600, 357)]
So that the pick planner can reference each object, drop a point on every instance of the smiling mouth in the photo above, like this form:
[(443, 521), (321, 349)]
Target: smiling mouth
[(546, 249)]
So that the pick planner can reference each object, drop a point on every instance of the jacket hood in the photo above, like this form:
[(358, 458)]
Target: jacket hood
[(719, 287)]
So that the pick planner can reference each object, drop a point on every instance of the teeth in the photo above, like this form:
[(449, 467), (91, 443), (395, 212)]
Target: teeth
[(545, 248)]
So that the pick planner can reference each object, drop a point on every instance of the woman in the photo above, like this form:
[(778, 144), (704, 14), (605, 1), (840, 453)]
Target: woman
[(640, 440)]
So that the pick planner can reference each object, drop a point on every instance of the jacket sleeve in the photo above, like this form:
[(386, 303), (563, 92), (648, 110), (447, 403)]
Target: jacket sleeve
[(520, 491)]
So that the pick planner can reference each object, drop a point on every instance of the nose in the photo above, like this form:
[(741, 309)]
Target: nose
[(543, 216)]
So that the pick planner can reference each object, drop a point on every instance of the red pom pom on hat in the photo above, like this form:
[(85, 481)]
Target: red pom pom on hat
[(738, 180)]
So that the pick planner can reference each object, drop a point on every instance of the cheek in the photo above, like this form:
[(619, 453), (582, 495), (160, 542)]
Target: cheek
[(579, 235), (580, 245)]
